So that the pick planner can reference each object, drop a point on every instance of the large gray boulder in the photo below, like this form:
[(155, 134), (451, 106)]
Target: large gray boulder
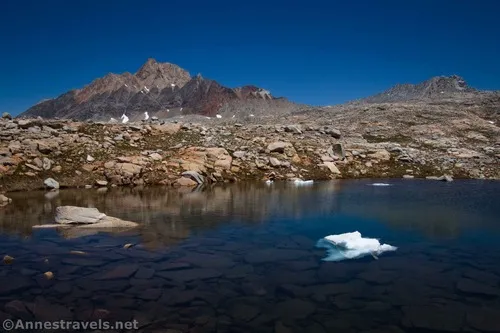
[(77, 215), (51, 183), (81, 217)]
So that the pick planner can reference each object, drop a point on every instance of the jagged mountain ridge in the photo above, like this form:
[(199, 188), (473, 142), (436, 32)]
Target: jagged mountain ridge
[(436, 88), (156, 88)]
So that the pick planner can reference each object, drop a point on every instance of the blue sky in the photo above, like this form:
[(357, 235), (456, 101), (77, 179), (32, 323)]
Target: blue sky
[(315, 52)]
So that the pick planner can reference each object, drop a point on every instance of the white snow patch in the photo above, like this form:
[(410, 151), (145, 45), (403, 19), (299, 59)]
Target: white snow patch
[(352, 245), (172, 84), (124, 119), (146, 88), (491, 122), (219, 116), (146, 116), (252, 115)]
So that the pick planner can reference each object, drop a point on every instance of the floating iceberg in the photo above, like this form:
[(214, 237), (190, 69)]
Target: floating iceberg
[(351, 246), (380, 184), (303, 182)]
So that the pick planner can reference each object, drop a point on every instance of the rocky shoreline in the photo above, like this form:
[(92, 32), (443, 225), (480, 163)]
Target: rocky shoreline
[(186, 152)]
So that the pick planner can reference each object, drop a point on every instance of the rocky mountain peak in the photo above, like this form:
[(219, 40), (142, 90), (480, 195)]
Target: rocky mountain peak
[(158, 75), (157, 88), (435, 88)]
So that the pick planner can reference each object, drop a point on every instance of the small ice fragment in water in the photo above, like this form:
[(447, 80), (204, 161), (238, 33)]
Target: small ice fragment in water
[(380, 184), (269, 182), (303, 182), (352, 246)]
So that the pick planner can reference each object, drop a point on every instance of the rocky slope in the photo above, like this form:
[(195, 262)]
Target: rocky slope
[(377, 140), (437, 88), (161, 89)]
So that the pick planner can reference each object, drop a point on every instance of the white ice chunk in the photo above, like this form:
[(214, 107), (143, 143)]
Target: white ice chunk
[(299, 182), (351, 246)]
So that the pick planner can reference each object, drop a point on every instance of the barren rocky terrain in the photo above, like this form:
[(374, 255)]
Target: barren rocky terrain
[(438, 129), (350, 141)]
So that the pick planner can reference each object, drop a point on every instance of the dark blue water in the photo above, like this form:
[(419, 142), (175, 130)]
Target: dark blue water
[(242, 258)]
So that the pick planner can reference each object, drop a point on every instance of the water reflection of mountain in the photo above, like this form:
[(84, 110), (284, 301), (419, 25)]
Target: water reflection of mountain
[(174, 214), (435, 209)]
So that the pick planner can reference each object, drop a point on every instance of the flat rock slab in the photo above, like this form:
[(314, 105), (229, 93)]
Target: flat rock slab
[(469, 286), (110, 222), (83, 262), (243, 312), (208, 260), (72, 214), (45, 311), (172, 266), (150, 294), (433, 318), (10, 285), (187, 275), (81, 217), (145, 273), (119, 272), (295, 309), (274, 255), (378, 276)]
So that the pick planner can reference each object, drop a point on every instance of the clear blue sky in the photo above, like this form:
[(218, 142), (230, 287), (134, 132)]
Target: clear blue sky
[(316, 52)]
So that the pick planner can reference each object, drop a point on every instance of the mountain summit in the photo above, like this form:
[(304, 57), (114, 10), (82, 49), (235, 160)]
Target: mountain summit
[(438, 87), (162, 89)]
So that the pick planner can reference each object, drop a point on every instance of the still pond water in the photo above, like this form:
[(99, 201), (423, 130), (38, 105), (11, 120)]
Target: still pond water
[(242, 258)]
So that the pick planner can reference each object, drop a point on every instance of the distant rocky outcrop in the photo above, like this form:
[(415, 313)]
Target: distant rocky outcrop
[(161, 89), (436, 88)]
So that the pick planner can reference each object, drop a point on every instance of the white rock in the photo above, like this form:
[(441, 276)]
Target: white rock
[(51, 183), (4, 199), (332, 167), (72, 214), (90, 158), (156, 157)]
